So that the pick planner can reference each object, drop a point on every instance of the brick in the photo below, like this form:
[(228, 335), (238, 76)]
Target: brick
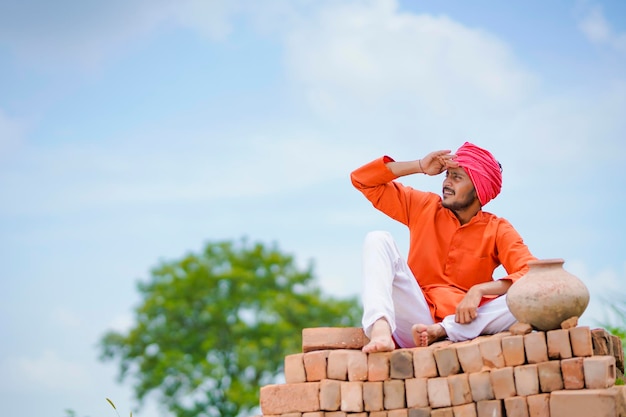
[(469, 356), (513, 350), (290, 398), (570, 323), (465, 410), (608, 402), (441, 344), (330, 395), (460, 392), (489, 408), (403, 412), (550, 378), (291, 415), (352, 396), (416, 392), (480, 386), (601, 342), (503, 383), (516, 407), (325, 338), (315, 365), (573, 374), (394, 394), (580, 338), (536, 347), (539, 405), (559, 346), (424, 365), (375, 414), (401, 364), (313, 414), (335, 414), (294, 369), (618, 352), (447, 361), (526, 380), (357, 365), (520, 329), (378, 366), (337, 367), (373, 396), (418, 412), (438, 392), (442, 412), (599, 372), (491, 351)]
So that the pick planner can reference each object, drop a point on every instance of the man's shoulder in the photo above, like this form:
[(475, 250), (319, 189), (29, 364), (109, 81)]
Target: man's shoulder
[(489, 217)]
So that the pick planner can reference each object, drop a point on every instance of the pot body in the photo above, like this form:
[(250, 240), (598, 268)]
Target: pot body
[(547, 295)]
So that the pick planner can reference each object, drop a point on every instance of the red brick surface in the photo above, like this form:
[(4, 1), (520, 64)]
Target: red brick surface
[(580, 337), (294, 368), (424, 365), (516, 407), (469, 356), (352, 396), (530, 375), (315, 365), (536, 347), (373, 396), (395, 396), (323, 338), (559, 346), (588, 403), (513, 350), (503, 383), (290, 398), (378, 366), (447, 361), (401, 364), (491, 351)]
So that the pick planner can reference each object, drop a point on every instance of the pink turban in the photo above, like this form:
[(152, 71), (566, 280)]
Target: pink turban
[(483, 169)]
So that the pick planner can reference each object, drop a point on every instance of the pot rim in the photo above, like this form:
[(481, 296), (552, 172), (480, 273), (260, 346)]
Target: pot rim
[(552, 261)]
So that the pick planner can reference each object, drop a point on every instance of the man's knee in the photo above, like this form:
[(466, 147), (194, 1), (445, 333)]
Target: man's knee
[(378, 237)]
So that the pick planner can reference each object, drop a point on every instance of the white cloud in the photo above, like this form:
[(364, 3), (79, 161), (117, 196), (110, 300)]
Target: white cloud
[(351, 56), (53, 35), (47, 371), (62, 178), (598, 30)]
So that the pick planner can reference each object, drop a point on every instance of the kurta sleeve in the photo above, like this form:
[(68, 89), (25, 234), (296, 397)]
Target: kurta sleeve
[(512, 252), (377, 184)]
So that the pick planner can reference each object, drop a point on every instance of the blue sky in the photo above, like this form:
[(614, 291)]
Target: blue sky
[(133, 132)]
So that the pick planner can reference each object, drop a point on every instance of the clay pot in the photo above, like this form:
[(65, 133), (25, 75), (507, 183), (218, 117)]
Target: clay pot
[(547, 295)]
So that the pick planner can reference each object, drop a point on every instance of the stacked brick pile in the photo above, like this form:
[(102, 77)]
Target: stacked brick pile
[(559, 373)]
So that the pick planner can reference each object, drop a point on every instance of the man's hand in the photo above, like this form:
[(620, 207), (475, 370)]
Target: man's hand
[(436, 162), (467, 309)]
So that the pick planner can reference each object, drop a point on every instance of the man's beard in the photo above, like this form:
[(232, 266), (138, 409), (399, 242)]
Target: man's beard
[(459, 205)]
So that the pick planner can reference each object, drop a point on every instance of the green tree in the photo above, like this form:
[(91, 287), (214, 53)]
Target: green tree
[(214, 327)]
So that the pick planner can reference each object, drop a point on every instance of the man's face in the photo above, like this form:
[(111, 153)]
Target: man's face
[(458, 190)]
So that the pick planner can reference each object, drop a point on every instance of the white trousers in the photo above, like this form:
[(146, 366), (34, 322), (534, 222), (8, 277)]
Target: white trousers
[(390, 291)]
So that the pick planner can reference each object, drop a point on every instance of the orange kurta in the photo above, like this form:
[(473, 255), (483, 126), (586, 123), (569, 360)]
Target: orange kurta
[(447, 258)]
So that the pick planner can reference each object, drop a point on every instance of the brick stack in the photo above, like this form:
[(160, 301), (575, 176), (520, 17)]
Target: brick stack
[(559, 373)]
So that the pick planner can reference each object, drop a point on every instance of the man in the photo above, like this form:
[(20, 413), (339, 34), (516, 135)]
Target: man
[(445, 288)]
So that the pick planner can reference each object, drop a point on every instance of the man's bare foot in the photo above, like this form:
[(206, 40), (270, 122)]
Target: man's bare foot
[(424, 335), (381, 340)]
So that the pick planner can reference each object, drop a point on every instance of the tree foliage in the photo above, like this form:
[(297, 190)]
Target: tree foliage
[(214, 327)]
